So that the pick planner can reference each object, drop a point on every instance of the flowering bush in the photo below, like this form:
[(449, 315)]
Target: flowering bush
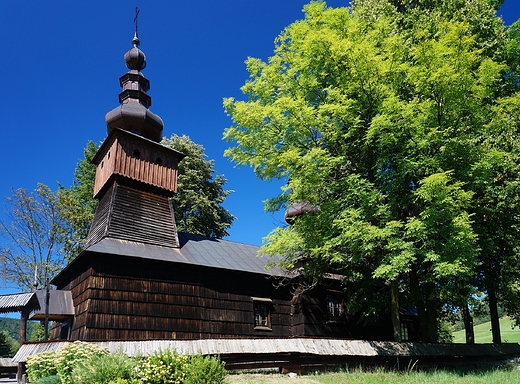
[(41, 365), (62, 362), (85, 363), (125, 381), (74, 354), (164, 367)]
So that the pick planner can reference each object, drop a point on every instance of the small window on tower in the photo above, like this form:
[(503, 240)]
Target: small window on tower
[(136, 154), (158, 161)]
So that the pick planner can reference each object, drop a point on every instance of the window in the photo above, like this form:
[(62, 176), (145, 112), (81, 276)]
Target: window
[(405, 333), (262, 313), (335, 307), (65, 330)]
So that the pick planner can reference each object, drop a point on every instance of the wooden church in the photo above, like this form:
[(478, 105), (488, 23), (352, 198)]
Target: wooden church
[(139, 279), (140, 286)]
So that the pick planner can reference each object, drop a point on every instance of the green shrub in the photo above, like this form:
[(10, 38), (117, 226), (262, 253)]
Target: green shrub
[(54, 379), (103, 369), (41, 365), (205, 370), (165, 367)]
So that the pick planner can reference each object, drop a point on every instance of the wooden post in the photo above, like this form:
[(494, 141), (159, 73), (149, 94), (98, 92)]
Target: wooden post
[(22, 340), (46, 322), (23, 327)]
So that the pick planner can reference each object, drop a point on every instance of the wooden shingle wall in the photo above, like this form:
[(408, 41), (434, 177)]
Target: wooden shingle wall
[(315, 321), (136, 299), (127, 213)]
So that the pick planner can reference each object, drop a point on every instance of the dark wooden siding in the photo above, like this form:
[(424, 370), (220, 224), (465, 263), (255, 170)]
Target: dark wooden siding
[(134, 299), (130, 214), (312, 319), (123, 298)]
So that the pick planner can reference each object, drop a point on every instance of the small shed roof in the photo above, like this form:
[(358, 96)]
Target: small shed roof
[(61, 305), (18, 302)]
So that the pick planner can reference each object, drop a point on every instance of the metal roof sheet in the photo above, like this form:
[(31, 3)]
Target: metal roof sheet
[(317, 346), (18, 302), (195, 250), (61, 305)]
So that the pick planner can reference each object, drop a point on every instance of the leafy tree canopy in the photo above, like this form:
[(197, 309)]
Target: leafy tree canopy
[(31, 235), (198, 203), (77, 205), (385, 116)]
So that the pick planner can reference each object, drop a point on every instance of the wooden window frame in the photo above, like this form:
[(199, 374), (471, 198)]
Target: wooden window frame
[(262, 308), (335, 307), (405, 331)]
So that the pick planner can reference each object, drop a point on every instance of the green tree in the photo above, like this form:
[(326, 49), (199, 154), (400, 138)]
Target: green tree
[(77, 204), (32, 234), (376, 115), (497, 212), (198, 203), (37, 332), (5, 345)]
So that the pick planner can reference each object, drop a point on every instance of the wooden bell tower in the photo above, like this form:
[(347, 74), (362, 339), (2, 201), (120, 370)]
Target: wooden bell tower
[(135, 174)]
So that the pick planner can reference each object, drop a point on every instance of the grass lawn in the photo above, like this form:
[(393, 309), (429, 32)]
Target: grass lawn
[(380, 376), (483, 333)]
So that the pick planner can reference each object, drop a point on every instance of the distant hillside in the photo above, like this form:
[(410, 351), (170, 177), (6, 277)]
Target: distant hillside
[(12, 327), (483, 333)]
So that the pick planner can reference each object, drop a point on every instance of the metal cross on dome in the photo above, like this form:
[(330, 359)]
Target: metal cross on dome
[(136, 19)]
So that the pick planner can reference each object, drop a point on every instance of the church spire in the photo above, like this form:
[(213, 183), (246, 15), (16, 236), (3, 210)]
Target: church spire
[(133, 114)]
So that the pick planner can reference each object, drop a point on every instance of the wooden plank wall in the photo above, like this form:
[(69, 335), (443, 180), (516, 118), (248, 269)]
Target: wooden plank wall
[(79, 288), (313, 321), (153, 167), (136, 299)]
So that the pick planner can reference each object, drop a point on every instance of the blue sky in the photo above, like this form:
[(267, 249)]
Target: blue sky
[(59, 75)]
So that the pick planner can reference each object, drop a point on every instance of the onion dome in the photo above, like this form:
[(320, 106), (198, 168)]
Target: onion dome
[(133, 114), (135, 58)]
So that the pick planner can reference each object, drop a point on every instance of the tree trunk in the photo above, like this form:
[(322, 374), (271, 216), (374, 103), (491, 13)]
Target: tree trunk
[(396, 324), (493, 313), (415, 290), (468, 324), (431, 314)]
